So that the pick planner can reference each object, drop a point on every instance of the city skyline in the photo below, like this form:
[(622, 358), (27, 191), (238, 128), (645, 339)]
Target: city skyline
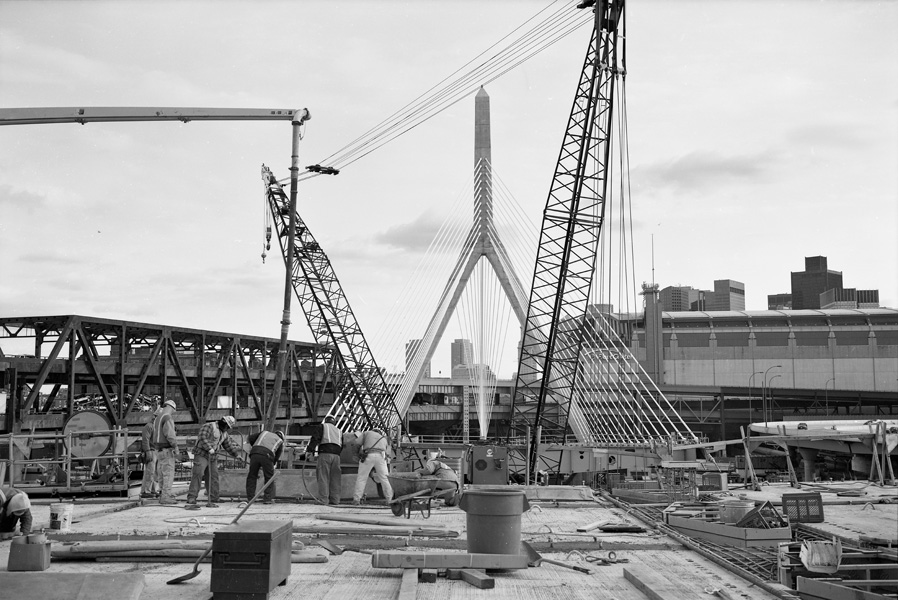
[(746, 153)]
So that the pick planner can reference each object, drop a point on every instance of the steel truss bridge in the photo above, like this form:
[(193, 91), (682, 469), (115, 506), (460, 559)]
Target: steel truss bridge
[(120, 367)]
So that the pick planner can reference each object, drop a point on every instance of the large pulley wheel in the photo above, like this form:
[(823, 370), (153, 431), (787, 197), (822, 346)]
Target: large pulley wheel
[(83, 429)]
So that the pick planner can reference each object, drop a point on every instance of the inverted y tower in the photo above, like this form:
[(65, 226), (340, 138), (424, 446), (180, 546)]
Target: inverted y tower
[(481, 243)]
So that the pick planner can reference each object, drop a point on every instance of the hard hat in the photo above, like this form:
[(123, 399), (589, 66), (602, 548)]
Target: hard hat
[(19, 503), (281, 434), (329, 420), (229, 421), (171, 403)]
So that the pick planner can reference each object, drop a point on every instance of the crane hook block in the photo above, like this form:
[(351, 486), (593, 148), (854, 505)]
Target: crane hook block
[(323, 170)]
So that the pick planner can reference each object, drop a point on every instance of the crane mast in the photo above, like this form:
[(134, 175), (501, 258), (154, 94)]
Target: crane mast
[(565, 263), (362, 398)]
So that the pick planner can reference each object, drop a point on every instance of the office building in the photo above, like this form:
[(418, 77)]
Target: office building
[(728, 294), (779, 302), (816, 278), (678, 298)]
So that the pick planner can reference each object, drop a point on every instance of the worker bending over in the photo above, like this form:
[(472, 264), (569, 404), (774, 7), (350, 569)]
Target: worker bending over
[(433, 467), (267, 448), (15, 509), (328, 440), (373, 449), (212, 436)]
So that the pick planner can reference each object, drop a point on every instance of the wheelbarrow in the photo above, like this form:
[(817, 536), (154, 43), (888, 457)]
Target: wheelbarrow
[(412, 492)]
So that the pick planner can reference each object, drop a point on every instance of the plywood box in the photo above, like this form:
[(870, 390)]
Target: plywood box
[(29, 557)]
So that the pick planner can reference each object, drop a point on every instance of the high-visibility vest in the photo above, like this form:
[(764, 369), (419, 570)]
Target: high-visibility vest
[(331, 435), (269, 441), (158, 429)]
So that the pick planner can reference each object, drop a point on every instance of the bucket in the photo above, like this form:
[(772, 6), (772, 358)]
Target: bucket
[(61, 516), (494, 520), (734, 510)]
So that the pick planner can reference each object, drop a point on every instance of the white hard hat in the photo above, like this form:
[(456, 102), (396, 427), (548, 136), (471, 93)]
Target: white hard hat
[(19, 503), (171, 403), (229, 421)]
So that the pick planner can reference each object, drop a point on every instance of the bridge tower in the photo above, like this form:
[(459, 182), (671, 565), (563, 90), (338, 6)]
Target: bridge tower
[(481, 244)]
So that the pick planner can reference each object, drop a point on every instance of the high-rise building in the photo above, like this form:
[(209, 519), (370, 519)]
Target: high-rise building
[(728, 294), (849, 298), (461, 353), (779, 302), (676, 298), (816, 278), (410, 348)]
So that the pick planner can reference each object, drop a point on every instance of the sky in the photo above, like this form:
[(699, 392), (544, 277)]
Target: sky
[(759, 133)]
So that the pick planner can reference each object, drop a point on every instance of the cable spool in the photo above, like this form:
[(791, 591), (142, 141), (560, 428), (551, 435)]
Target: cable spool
[(85, 439)]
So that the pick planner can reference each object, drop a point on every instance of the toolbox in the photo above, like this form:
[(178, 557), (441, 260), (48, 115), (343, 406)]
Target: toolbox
[(249, 559)]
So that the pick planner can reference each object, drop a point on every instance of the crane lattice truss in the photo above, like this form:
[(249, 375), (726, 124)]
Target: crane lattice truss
[(547, 401), (361, 398)]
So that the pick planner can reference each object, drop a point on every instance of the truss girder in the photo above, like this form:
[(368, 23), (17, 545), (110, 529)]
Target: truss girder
[(117, 362), (362, 398), (565, 263)]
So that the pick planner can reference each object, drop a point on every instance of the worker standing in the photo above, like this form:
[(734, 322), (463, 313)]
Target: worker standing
[(373, 449), (328, 440), (15, 509), (166, 445), (212, 436), (148, 457), (266, 451)]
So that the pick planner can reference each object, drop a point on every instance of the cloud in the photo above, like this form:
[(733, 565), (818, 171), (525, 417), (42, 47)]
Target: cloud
[(12, 198), (414, 236), (700, 170)]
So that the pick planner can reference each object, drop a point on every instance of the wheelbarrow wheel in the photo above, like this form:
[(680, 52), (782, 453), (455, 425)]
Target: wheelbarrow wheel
[(397, 509)]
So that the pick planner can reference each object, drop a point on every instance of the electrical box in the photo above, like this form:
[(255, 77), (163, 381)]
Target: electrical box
[(488, 465)]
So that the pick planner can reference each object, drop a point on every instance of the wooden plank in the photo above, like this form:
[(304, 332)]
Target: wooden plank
[(478, 579), (381, 559), (408, 589), (591, 526), (657, 587)]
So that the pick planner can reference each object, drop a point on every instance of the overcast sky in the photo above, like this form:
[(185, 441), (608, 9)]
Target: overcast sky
[(759, 133)]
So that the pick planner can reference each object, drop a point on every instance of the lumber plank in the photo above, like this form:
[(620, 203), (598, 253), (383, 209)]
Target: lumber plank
[(381, 559), (403, 523), (478, 579), (408, 589), (591, 526)]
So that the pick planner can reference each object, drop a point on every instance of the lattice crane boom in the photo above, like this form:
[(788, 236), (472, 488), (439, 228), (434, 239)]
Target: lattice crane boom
[(572, 223), (362, 397)]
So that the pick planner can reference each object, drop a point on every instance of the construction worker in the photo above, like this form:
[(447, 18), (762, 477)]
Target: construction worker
[(433, 467), (373, 449), (328, 440), (266, 451), (166, 445), (148, 457), (15, 509), (211, 436)]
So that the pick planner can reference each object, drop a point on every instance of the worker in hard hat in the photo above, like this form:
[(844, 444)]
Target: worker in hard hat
[(15, 509), (166, 444), (151, 479), (327, 439), (373, 448), (212, 436), (434, 467), (267, 447)]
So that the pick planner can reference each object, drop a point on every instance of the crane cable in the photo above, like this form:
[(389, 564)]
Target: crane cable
[(558, 25)]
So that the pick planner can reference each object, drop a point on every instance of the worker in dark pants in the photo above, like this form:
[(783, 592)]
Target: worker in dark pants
[(328, 440), (267, 448)]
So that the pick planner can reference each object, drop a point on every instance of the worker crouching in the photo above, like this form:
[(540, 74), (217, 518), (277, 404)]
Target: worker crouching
[(15, 509), (266, 451)]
